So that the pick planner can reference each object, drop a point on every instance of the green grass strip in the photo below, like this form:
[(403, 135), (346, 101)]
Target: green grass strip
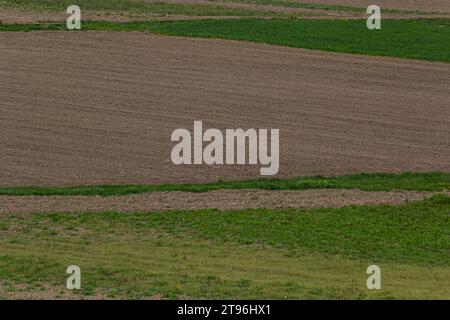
[(415, 39), (366, 182)]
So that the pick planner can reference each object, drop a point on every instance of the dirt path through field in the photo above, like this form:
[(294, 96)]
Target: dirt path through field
[(220, 199), (100, 107)]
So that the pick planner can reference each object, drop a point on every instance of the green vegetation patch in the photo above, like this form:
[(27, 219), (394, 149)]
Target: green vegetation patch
[(413, 233), (414, 39), (365, 182), (319, 253)]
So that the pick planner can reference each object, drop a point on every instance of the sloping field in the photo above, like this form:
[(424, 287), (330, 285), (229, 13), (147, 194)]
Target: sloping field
[(99, 107)]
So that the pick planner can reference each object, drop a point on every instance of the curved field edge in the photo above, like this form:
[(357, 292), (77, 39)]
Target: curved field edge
[(424, 39), (286, 254), (434, 181)]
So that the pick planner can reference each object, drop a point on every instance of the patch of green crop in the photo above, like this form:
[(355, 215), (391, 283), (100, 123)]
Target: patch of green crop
[(413, 39)]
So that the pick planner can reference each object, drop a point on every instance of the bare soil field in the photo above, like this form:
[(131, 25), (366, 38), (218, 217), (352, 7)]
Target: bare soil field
[(220, 199), (100, 107)]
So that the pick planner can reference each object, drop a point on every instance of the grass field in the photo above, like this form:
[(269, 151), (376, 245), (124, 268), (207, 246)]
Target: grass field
[(247, 254), (366, 182), (414, 39)]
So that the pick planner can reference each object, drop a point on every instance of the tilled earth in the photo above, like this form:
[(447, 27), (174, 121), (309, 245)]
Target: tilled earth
[(100, 107)]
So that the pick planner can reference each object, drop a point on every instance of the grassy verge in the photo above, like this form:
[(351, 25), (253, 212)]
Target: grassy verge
[(365, 182), (140, 6), (415, 39), (247, 254)]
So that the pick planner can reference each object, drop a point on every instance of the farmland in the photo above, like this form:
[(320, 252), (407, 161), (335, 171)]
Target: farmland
[(86, 176), (308, 254), (129, 90)]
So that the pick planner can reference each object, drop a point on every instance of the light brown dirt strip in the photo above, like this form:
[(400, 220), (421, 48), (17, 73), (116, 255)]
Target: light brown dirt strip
[(100, 107), (220, 199), (421, 5)]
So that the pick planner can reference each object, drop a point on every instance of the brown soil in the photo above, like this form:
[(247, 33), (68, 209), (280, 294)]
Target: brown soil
[(99, 108), (220, 199), (420, 5)]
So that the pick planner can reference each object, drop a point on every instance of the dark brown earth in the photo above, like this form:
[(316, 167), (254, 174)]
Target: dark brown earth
[(100, 107), (220, 199)]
